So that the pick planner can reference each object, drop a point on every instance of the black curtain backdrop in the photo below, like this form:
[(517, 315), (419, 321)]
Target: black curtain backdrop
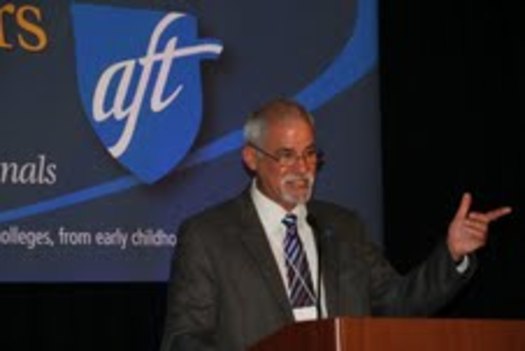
[(451, 76), (452, 102)]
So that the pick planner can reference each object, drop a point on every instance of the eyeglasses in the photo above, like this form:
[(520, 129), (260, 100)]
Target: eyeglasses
[(288, 158)]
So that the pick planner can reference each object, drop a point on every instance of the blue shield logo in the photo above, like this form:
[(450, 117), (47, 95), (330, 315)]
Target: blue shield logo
[(139, 80)]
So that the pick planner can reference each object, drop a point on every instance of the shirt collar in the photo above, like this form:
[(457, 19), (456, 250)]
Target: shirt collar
[(270, 212)]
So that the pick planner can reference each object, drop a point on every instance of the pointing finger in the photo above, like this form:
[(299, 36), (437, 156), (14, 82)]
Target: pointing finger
[(497, 213)]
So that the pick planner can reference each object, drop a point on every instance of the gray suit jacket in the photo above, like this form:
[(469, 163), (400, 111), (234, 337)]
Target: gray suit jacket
[(226, 292)]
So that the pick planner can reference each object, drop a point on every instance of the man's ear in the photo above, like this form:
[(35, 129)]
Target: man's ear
[(249, 156)]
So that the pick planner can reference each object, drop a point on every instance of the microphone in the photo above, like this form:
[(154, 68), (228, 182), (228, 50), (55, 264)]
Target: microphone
[(316, 229)]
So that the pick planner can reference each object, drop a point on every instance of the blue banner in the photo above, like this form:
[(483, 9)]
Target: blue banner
[(122, 118)]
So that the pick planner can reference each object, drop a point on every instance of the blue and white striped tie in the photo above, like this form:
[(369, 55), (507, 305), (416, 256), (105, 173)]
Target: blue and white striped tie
[(300, 284)]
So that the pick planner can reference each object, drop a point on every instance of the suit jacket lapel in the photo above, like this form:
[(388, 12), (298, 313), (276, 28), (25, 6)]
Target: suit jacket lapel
[(328, 258), (329, 271), (255, 241)]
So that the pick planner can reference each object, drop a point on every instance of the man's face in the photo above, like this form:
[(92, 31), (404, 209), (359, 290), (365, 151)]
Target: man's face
[(288, 185)]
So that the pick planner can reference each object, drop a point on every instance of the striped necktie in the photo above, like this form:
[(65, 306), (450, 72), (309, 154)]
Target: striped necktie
[(299, 278)]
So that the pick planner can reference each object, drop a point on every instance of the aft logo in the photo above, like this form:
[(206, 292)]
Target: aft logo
[(140, 84)]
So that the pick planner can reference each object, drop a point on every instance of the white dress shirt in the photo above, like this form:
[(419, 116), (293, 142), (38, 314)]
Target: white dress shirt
[(271, 215)]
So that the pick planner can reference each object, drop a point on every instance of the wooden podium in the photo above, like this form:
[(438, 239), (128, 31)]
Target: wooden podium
[(394, 334)]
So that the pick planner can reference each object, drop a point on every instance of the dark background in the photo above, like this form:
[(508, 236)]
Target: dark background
[(450, 96), (452, 102)]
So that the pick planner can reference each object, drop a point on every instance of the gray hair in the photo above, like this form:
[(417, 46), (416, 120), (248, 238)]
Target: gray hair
[(277, 109)]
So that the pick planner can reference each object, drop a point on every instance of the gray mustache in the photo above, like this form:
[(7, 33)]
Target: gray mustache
[(296, 177)]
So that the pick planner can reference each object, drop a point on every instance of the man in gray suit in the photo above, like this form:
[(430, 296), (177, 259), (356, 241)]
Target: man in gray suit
[(241, 271)]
